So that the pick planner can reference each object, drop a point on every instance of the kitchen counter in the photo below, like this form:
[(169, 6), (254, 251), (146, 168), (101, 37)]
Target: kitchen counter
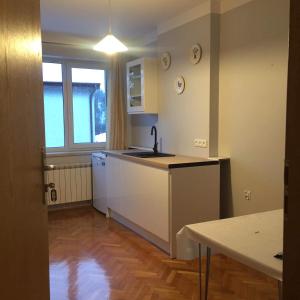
[(172, 162), (156, 197)]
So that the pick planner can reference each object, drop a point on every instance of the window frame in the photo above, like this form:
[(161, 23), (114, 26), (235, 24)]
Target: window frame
[(67, 65)]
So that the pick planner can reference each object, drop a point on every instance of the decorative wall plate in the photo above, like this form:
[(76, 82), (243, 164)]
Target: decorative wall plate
[(179, 85), (165, 60), (195, 54)]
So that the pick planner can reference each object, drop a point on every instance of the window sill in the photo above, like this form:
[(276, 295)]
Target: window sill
[(73, 153)]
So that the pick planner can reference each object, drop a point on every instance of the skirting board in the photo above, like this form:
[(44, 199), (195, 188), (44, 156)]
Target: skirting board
[(165, 246), (69, 205)]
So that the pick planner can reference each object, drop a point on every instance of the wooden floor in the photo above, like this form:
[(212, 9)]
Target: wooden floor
[(92, 258)]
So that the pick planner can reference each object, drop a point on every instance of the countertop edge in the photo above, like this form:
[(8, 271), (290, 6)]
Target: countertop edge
[(161, 165)]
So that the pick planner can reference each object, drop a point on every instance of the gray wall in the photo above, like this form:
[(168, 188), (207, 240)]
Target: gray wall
[(182, 118), (139, 126), (235, 97), (59, 159), (252, 107), (140, 130)]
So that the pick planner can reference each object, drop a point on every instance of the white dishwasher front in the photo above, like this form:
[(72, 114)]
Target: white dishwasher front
[(99, 182)]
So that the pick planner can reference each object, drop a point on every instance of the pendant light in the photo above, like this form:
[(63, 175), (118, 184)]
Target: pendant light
[(110, 44)]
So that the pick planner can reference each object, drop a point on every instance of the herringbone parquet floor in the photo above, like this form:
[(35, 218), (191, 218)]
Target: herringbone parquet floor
[(92, 258)]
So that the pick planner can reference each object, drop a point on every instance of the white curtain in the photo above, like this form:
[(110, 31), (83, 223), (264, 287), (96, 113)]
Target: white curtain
[(117, 134)]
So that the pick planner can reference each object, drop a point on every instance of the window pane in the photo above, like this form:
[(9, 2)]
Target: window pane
[(89, 105), (53, 105), (135, 86)]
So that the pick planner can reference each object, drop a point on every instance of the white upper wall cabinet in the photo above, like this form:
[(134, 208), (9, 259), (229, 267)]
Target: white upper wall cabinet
[(142, 86)]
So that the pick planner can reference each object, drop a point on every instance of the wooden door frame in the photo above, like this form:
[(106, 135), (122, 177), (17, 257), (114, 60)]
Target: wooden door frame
[(291, 263)]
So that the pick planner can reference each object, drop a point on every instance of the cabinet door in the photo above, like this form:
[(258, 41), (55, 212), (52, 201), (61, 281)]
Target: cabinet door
[(140, 194), (99, 184), (135, 86), (147, 198), (114, 181)]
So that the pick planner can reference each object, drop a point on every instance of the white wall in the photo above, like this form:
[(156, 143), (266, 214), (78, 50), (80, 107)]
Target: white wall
[(70, 47), (252, 103)]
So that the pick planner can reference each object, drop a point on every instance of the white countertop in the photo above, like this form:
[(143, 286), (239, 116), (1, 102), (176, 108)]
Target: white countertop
[(252, 239)]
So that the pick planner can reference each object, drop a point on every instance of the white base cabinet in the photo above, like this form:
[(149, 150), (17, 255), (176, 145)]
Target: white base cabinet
[(140, 194), (157, 203)]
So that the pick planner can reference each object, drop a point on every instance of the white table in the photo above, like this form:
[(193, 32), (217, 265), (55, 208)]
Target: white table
[(252, 240)]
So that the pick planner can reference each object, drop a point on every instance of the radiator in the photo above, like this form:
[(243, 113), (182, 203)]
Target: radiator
[(73, 182)]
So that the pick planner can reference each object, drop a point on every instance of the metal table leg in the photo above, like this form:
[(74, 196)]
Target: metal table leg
[(208, 254), (199, 271)]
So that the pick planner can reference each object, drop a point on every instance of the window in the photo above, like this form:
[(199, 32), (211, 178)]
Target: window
[(89, 105), (74, 105), (53, 105)]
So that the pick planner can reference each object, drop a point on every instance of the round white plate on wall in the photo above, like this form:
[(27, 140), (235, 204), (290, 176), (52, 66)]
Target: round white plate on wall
[(195, 54), (165, 60), (179, 85)]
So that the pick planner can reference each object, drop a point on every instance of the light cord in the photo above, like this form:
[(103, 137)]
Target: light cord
[(109, 28)]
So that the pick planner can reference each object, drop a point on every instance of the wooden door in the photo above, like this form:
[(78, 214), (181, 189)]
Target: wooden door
[(23, 215), (291, 265)]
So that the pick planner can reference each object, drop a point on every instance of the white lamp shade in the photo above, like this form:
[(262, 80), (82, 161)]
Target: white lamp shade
[(110, 45)]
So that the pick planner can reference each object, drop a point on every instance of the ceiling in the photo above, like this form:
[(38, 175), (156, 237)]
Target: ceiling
[(131, 19)]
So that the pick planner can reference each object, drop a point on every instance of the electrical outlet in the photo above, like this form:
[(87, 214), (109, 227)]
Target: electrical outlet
[(196, 142), (202, 143), (247, 195)]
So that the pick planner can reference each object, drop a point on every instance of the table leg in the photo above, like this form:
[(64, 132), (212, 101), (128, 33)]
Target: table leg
[(199, 271), (208, 254), (279, 290)]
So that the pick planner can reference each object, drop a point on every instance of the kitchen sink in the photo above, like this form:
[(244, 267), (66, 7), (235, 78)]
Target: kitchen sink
[(148, 154)]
